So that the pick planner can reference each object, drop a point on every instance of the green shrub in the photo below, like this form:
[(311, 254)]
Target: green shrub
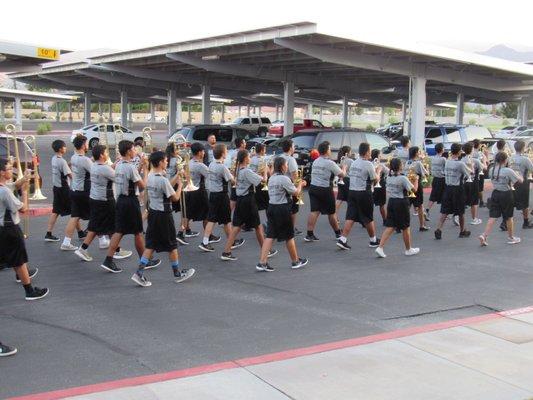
[(36, 115), (8, 114), (370, 128), (505, 122), (392, 120), (472, 121), (2, 128), (336, 124), (44, 128)]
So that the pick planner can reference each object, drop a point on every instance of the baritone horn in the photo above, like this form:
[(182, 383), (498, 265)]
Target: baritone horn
[(299, 177), (147, 139), (37, 193)]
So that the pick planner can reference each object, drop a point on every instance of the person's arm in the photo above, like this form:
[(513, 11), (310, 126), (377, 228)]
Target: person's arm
[(228, 177), (14, 204), (254, 178), (173, 195), (139, 181), (336, 170), (65, 169), (373, 173), (514, 177)]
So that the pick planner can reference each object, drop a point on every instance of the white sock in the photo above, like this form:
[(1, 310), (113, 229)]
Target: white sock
[(66, 241), (343, 239), (373, 239), (205, 240), (106, 237)]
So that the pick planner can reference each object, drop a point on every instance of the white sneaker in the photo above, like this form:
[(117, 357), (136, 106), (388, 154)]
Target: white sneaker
[(141, 281), (476, 221), (456, 220), (412, 251), (68, 247), (379, 251), (513, 240), (83, 254), (119, 255), (104, 244)]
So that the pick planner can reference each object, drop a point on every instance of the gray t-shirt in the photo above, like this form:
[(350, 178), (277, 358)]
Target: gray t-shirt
[(102, 178), (291, 163), (522, 165), (254, 163), (416, 166), (280, 189), (159, 192), (199, 172), (402, 154), (397, 185), (60, 170), (503, 178), (81, 173), (454, 172), (172, 169), (246, 178), (219, 176), (322, 170), (10, 204), (361, 174), (126, 175), (437, 166)]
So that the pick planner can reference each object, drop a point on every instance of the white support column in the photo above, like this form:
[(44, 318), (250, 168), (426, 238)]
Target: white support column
[(239, 111), (277, 112), (124, 108), (288, 108), (69, 111), (2, 111), (524, 111), (344, 112), (100, 113), (519, 114), (110, 110), (86, 108), (172, 106), (57, 112), (18, 114), (382, 117), (189, 115), (321, 114), (206, 104), (179, 118), (418, 111), (130, 113), (460, 110), (222, 113), (248, 110), (404, 111), (309, 111), (152, 112), (259, 111)]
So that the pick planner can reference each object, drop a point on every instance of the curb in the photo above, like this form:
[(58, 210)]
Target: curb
[(40, 211)]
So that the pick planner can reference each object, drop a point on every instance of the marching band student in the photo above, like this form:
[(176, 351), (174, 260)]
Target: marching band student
[(417, 202), (12, 247), (240, 144), (398, 208), (437, 172), (501, 144), (261, 196), (523, 166), (483, 158), (472, 185), (344, 160), (79, 191), (219, 207), (128, 216), (321, 194), (501, 199), (287, 146), (172, 170), (363, 174), (403, 153), (101, 204), (208, 149), (246, 213), (161, 231), (279, 213), (380, 193), (453, 200)]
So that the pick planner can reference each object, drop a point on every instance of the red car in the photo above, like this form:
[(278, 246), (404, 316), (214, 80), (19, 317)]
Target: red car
[(277, 128)]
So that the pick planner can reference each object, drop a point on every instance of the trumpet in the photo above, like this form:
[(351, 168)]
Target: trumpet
[(299, 177), (119, 137), (412, 178), (261, 171), (32, 144), (189, 186)]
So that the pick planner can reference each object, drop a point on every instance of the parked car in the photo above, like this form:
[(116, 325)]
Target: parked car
[(92, 133), (27, 157), (525, 135), (267, 140), (510, 131), (259, 125), (224, 133), (448, 134), (391, 130), (148, 118), (278, 128)]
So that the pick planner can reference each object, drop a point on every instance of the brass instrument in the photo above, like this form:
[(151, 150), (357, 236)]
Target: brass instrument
[(340, 181), (119, 137), (412, 176), (147, 139), (376, 163), (426, 163), (299, 177), (37, 193), (189, 186), (103, 137), (252, 151), (261, 171)]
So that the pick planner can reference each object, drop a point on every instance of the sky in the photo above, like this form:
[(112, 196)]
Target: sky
[(470, 25)]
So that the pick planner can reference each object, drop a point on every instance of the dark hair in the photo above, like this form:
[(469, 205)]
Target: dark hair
[(124, 146), (196, 148), (519, 145), (343, 152), (139, 142), (3, 164), (476, 143), (439, 148), (98, 150), (374, 154), (279, 162), (156, 157), (395, 165), (170, 150), (58, 145), (323, 147), (259, 147), (241, 155), (500, 144), (455, 148), (499, 159), (363, 148), (467, 147), (404, 140), (238, 142), (211, 134), (79, 141), (286, 145), (413, 151), (219, 150)]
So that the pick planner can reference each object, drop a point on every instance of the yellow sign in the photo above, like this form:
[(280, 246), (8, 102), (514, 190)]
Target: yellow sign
[(50, 54)]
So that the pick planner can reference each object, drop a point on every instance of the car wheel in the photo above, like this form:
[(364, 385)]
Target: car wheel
[(93, 142)]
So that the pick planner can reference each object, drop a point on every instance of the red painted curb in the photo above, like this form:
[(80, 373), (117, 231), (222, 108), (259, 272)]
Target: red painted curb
[(40, 211), (279, 356)]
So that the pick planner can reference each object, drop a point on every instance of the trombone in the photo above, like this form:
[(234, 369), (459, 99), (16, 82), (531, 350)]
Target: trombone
[(147, 139), (299, 177), (32, 144), (119, 136)]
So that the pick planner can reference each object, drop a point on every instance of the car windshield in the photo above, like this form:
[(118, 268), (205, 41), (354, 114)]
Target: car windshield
[(304, 141), (529, 132), (237, 121), (183, 131)]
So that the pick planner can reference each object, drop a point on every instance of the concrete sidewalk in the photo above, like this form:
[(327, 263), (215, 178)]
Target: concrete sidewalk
[(484, 357)]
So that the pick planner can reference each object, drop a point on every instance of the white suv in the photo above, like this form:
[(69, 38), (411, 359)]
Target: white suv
[(92, 133), (257, 125)]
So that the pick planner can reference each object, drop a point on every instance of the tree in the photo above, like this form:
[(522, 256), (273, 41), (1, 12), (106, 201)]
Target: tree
[(34, 88), (509, 110)]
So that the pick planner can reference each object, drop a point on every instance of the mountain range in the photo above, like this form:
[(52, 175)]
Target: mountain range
[(508, 53)]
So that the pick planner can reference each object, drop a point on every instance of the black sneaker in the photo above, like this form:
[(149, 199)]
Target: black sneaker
[(189, 233), (31, 272), (51, 238), (37, 293), (214, 239), (297, 232), (82, 234), (338, 235), (206, 247), (181, 239), (300, 263), (343, 245), (464, 234), (438, 234), (7, 350), (374, 243), (228, 257), (527, 225), (482, 204), (153, 263), (264, 267), (272, 253), (503, 227), (237, 243), (111, 267), (311, 238), (423, 228)]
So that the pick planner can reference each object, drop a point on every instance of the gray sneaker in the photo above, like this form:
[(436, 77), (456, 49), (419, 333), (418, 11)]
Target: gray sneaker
[(83, 254), (184, 275), (121, 254), (300, 263), (140, 280), (68, 247)]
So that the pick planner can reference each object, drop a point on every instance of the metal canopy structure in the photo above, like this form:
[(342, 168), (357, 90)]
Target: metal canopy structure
[(314, 66), (25, 57)]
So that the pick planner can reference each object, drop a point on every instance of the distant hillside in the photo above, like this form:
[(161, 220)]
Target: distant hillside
[(508, 53)]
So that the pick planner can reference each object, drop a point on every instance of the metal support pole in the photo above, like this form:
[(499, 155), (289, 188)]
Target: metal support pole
[(18, 114), (206, 104), (222, 113), (277, 112), (189, 115), (2, 111), (309, 111), (179, 118), (110, 105), (382, 117), (288, 107), (344, 112), (130, 113), (124, 108), (460, 110), (69, 111), (524, 111), (57, 112), (86, 108), (418, 111), (248, 110), (239, 111), (172, 108), (259, 111)]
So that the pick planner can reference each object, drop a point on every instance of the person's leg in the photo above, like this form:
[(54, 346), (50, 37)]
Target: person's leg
[(430, 205), (88, 240), (383, 212), (234, 231), (371, 230), (442, 218), (78, 226), (139, 244), (51, 222), (338, 204), (265, 249), (311, 221), (510, 227), (208, 229), (227, 229), (291, 248), (73, 222), (461, 222), (386, 236), (348, 224), (23, 274), (406, 234), (473, 212), (113, 245), (232, 205), (260, 235), (488, 227), (421, 217), (145, 257), (333, 222)]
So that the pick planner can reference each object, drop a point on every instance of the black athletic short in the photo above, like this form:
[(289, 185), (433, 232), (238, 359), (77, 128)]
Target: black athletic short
[(419, 199), (501, 204), (279, 220), (261, 197), (246, 212), (176, 205), (219, 208), (12, 246), (294, 206), (437, 189), (471, 193), (343, 190), (482, 180), (79, 205), (398, 215), (61, 202), (102, 218), (360, 206), (453, 201), (196, 205), (128, 217), (233, 194), (161, 231), (521, 195), (322, 199), (380, 195)]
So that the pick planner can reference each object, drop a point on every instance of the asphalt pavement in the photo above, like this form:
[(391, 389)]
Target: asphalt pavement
[(95, 326)]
